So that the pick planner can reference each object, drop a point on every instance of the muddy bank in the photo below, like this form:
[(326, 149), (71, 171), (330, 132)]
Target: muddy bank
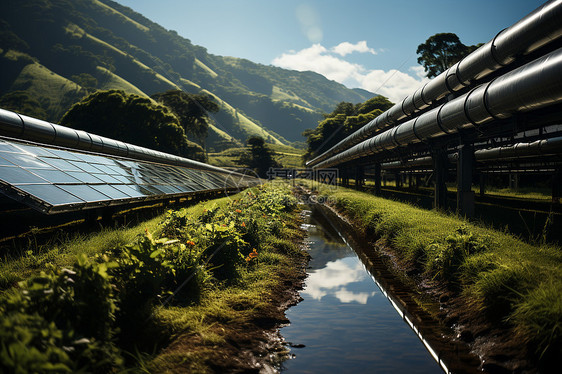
[(461, 335), (252, 342)]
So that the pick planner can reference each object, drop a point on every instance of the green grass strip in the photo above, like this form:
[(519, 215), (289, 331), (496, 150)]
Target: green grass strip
[(515, 283)]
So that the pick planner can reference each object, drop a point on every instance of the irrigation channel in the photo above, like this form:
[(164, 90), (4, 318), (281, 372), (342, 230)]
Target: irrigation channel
[(355, 317)]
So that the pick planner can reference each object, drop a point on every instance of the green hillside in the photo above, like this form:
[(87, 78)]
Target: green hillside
[(286, 156), (54, 52)]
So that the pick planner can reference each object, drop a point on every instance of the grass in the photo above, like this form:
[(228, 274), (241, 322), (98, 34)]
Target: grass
[(279, 94), (117, 82), (205, 68), (287, 156), (516, 284), (113, 11), (222, 310), (171, 85), (55, 93), (63, 252), (110, 81), (129, 278), (246, 125), (189, 84), (532, 193)]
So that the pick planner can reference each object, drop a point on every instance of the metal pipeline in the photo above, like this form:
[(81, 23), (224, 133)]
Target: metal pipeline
[(22, 127), (544, 147), (536, 30), (532, 86)]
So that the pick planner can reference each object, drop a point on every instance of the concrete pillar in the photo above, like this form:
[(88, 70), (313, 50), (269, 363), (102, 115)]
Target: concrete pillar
[(440, 162), (465, 166), (378, 179)]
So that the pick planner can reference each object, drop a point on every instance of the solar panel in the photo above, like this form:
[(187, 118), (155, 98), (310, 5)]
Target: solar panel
[(53, 180)]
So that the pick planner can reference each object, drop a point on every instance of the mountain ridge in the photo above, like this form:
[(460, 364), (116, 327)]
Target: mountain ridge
[(97, 44)]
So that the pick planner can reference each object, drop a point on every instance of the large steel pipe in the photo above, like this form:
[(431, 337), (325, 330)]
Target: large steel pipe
[(537, 29), (18, 126), (535, 85), (544, 147)]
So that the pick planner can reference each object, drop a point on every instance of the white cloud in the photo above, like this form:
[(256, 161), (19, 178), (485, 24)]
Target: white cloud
[(317, 58), (393, 84), (346, 48), (419, 71)]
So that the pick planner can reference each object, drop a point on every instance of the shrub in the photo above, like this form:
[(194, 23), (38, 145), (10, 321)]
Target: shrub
[(226, 250), (61, 320), (499, 289), (444, 259), (538, 319), (31, 344)]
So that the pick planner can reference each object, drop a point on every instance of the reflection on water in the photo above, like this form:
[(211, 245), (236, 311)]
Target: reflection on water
[(337, 279), (344, 321)]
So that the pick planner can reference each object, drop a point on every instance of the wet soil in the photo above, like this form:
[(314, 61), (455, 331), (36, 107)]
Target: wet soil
[(251, 345), (465, 338)]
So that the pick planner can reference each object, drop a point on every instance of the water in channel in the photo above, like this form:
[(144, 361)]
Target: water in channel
[(345, 324)]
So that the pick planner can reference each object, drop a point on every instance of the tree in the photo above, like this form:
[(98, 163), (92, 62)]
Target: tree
[(345, 108), (132, 119), (22, 102), (260, 156), (378, 102), (344, 120), (191, 110), (85, 80), (440, 52)]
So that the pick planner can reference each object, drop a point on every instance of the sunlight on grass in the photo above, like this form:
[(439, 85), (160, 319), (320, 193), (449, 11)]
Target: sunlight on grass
[(194, 276), (513, 282)]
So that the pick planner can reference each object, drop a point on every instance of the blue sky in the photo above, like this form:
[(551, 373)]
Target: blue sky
[(369, 44)]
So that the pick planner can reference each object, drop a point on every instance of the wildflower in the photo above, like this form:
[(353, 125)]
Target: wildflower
[(190, 243), (238, 211), (252, 255), (243, 224), (147, 234)]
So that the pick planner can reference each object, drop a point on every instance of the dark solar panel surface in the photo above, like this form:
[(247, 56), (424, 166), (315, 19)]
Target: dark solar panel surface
[(53, 180)]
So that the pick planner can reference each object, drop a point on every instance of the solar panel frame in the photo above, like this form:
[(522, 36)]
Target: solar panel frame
[(52, 179)]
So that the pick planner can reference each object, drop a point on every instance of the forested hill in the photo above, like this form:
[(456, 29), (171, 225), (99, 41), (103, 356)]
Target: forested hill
[(54, 52)]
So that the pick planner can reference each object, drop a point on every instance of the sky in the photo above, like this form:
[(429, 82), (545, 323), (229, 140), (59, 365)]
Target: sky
[(369, 44)]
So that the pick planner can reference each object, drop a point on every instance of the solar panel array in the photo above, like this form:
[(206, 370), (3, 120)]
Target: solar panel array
[(55, 179)]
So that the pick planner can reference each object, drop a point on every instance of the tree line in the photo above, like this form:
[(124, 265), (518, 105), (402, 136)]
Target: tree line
[(438, 53), (174, 121)]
